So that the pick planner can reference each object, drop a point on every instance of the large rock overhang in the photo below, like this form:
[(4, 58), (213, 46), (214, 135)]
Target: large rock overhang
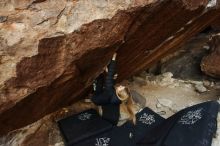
[(61, 68)]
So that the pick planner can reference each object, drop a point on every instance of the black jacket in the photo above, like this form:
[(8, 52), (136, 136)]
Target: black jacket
[(104, 89)]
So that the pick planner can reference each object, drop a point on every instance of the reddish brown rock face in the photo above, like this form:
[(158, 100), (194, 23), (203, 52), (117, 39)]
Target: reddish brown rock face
[(211, 63), (71, 71), (216, 24), (54, 65)]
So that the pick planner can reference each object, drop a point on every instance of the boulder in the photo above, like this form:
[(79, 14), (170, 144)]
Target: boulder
[(185, 63), (211, 63), (52, 50)]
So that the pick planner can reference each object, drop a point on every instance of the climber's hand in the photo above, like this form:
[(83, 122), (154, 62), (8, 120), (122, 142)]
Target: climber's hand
[(114, 56), (106, 69), (115, 76)]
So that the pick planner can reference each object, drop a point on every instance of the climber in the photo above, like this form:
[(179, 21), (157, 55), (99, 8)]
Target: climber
[(111, 98), (114, 101)]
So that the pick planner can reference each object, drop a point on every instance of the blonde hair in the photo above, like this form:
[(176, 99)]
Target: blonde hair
[(125, 96)]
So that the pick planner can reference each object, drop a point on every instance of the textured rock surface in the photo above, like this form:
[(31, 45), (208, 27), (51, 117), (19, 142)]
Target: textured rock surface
[(216, 24), (51, 50), (185, 63), (211, 63)]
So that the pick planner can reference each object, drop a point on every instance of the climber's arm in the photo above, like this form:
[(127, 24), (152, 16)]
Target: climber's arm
[(110, 81)]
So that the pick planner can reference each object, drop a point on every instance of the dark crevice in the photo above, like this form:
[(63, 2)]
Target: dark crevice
[(38, 1)]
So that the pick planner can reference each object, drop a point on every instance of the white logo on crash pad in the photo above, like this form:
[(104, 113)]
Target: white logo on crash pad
[(191, 117), (104, 141), (147, 119), (84, 116)]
